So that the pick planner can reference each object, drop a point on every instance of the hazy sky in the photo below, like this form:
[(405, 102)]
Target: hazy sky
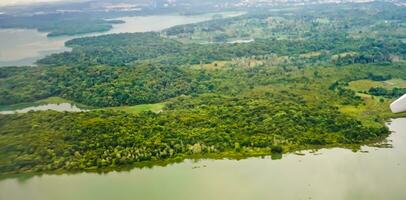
[(16, 2)]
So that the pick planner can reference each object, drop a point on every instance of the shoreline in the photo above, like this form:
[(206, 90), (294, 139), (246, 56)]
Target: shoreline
[(380, 143)]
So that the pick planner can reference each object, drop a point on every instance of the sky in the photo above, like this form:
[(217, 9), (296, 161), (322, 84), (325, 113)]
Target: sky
[(18, 2)]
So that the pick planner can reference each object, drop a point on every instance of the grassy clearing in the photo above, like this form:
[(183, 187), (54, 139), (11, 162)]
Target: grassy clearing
[(212, 66), (240, 62), (372, 112), (58, 100), (375, 109), (310, 54), (341, 55), (139, 108), (371, 107), (365, 85), (323, 20)]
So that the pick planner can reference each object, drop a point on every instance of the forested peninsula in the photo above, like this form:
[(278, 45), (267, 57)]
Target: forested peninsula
[(309, 79)]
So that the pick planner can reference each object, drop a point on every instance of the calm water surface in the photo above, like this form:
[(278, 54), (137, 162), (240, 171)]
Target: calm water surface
[(328, 174), (24, 46), (158, 23), (57, 107)]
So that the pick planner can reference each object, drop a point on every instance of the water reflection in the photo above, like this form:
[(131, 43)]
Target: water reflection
[(327, 174)]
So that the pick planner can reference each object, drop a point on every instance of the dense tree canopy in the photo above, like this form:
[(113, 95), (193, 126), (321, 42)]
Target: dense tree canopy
[(287, 89)]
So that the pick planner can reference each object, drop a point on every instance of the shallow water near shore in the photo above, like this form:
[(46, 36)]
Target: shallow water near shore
[(373, 173), (61, 107)]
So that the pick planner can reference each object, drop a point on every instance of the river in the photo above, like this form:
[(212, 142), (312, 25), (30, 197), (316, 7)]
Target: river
[(374, 173), (24, 46)]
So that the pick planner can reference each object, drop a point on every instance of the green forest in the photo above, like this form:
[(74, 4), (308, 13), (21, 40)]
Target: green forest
[(295, 86)]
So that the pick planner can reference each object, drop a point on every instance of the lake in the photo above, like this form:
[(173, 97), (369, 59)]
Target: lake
[(25, 46), (326, 174), (159, 22), (61, 107)]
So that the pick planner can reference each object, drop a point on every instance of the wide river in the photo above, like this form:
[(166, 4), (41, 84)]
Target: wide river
[(25, 46), (379, 173)]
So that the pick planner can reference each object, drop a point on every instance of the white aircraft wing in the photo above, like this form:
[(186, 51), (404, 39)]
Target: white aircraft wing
[(399, 105)]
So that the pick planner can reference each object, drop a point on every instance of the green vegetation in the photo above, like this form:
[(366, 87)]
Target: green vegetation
[(159, 97), (83, 18), (395, 93), (156, 108), (59, 24), (376, 20), (126, 50), (365, 85), (207, 124), (393, 88), (99, 86), (267, 113)]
